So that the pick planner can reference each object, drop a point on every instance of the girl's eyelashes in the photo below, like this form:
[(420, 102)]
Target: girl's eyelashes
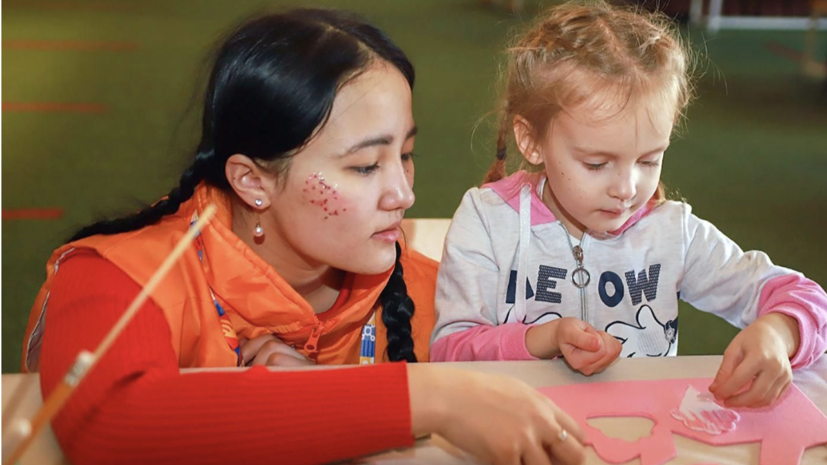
[(599, 166), (365, 170), (650, 162)]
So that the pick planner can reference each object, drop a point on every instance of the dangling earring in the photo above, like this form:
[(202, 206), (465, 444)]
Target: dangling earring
[(258, 231)]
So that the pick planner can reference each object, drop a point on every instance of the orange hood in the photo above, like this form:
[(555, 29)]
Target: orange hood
[(255, 297)]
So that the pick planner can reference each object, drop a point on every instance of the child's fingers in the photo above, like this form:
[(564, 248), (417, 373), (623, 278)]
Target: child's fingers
[(738, 380), (732, 357), (756, 393), (594, 368), (600, 364), (612, 348), (774, 392), (596, 364), (780, 385), (583, 339), (582, 360)]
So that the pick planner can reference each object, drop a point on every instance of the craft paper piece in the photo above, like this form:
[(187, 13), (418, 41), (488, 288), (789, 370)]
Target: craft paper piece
[(699, 411), (785, 429)]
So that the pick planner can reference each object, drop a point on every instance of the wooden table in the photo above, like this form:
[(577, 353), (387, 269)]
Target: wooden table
[(813, 382)]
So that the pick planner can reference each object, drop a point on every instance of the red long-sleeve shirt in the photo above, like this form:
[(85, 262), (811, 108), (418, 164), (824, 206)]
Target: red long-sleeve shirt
[(135, 407)]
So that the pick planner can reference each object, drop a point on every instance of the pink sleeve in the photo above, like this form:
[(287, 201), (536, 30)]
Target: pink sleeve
[(800, 298), (503, 342)]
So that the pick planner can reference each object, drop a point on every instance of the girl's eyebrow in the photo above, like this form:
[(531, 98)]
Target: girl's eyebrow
[(386, 139), (615, 155)]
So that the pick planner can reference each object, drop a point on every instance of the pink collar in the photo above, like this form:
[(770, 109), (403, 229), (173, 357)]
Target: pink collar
[(509, 190)]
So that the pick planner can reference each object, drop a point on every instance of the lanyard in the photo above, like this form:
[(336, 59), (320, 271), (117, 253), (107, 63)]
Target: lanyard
[(226, 326), (368, 351)]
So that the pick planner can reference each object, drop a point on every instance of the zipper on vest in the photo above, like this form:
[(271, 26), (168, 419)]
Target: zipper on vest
[(312, 344)]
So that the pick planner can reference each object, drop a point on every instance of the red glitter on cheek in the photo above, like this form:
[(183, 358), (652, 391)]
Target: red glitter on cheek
[(326, 192)]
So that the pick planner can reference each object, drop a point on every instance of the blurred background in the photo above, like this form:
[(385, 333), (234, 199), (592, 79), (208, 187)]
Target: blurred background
[(100, 98)]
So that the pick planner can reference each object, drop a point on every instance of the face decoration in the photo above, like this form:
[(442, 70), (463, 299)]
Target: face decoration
[(324, 195)]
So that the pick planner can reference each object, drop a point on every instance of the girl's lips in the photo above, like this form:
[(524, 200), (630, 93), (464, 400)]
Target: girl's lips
[(614, 213), (388, 235)]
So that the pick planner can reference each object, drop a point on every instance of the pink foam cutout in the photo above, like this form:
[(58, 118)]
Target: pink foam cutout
[(682, 406)]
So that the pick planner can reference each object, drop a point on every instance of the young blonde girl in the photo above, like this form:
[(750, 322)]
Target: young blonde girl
[(581, 255)]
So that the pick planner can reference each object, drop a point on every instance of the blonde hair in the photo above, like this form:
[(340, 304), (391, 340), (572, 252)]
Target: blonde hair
[(579, 53)]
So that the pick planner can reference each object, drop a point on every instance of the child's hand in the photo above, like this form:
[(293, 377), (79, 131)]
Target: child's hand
[(756, 367), (271, 351), (586, 349)]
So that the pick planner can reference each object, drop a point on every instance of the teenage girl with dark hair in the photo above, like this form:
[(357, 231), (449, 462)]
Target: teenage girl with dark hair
[(306, 150)]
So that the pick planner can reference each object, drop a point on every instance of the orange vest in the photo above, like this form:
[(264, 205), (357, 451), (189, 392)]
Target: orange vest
[(254, 296)]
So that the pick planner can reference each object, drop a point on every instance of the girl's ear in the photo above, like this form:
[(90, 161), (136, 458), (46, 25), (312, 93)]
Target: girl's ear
[(249, 181), (524, 135)]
